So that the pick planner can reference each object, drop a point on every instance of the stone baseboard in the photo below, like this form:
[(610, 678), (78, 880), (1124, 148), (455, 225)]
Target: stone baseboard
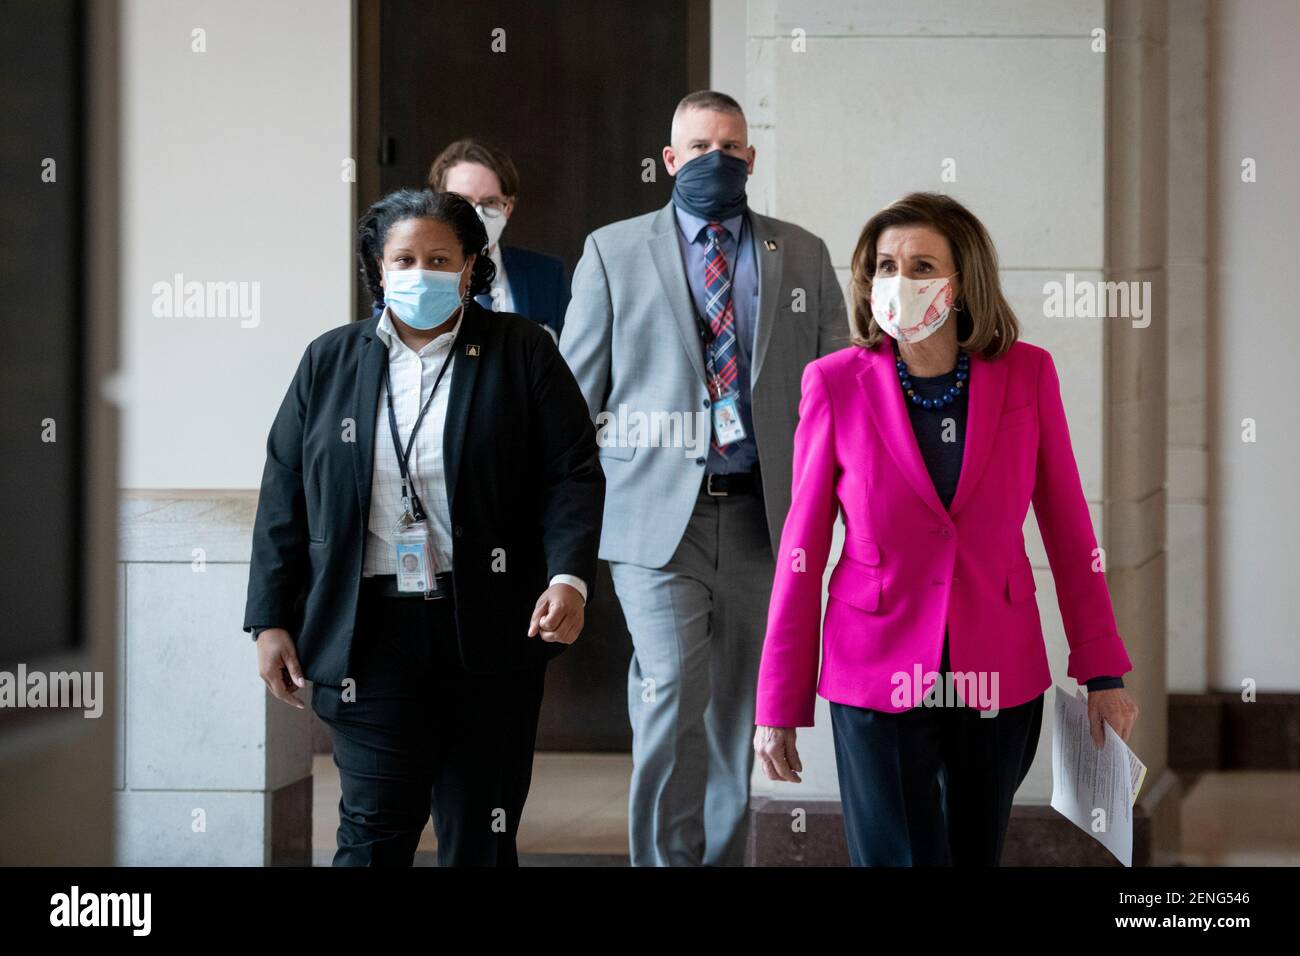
[(772, 840), (291, 812), (1036, 836), (1220, 731), (240, 827), (1039, 836)]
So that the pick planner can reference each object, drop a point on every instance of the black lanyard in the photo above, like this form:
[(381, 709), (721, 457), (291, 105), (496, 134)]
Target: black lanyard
[(404, 457)]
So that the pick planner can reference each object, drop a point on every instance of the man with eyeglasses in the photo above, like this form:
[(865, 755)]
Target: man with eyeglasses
[(527, 283)]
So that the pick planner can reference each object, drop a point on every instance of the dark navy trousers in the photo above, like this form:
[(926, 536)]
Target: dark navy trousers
[(931, 786)]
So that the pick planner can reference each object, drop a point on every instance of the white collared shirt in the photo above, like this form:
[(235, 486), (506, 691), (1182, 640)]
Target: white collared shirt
[(413, 374)]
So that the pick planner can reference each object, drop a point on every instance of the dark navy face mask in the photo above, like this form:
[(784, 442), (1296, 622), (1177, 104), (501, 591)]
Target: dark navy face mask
[(712, 186)]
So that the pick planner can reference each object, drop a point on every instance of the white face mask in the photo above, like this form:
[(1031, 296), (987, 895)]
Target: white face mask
[(494, 221), (910, 310)]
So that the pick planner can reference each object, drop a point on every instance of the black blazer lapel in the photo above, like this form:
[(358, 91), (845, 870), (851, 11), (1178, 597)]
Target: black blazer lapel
[(471, 345), (371, 358)]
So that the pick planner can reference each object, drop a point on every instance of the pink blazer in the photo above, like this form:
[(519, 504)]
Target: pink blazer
[(909, 566)]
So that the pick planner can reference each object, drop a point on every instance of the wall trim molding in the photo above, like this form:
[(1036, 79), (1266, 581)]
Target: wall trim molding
[(1219, 731)]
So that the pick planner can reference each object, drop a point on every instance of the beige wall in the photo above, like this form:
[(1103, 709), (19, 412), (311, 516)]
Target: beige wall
[(233, 172), (1254, 553)]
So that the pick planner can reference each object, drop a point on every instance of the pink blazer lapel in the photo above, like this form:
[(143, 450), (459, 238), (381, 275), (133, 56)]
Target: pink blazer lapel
[(988, 385), (887, 411)]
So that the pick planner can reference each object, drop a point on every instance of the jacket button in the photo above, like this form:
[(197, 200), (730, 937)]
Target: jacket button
[(946, 532), (706, 403), (699, 461), (458, 531)]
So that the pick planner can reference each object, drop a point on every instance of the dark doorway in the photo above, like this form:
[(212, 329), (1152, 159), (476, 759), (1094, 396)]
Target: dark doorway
[(60, 81), (580, 93), (44, 163)]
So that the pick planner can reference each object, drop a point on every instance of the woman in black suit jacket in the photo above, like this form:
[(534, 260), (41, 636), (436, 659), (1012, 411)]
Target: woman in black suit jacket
[(432, 695)]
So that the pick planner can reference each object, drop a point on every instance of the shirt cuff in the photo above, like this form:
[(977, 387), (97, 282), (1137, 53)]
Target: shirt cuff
[(1104, 683), (575, 582)]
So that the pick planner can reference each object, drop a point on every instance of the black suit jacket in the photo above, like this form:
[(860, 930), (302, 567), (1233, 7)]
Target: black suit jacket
[(523, 481), (538, 285)]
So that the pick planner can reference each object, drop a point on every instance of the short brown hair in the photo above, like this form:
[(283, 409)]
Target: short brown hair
[(985, 322), (709, 100), (484, 154), (705, 100)]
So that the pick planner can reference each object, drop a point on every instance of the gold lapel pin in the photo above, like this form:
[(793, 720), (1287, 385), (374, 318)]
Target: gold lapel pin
[(471, 350), (770, 244)]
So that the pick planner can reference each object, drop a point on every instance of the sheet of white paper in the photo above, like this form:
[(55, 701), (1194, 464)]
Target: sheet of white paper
[(1094, 789)]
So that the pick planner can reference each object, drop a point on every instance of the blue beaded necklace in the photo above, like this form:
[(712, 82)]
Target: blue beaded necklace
[(954, 392)]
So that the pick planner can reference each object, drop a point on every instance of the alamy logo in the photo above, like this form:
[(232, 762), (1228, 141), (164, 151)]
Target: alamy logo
[(1082, 299), (658, 429), (978, 689), (57, 689), (103, 909), (179, 299)]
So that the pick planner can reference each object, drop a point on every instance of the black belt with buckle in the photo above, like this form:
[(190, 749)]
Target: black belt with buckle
[(740, 483), (385, 585)]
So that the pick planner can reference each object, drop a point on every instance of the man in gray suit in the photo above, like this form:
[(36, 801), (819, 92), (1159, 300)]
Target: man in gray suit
[(688, 333)]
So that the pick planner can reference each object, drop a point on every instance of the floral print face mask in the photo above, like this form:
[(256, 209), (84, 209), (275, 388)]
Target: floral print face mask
[(910, 310)]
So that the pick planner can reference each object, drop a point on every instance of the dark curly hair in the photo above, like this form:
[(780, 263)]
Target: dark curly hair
[(403, 204)]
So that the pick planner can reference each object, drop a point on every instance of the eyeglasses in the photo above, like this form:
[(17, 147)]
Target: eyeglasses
[(491, 208)]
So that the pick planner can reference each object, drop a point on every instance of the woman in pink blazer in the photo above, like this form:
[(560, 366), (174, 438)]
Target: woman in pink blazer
[(931, 436)]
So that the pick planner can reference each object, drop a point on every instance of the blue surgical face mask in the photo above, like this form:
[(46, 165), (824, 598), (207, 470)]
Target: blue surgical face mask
[(422, 298), (712, 186)]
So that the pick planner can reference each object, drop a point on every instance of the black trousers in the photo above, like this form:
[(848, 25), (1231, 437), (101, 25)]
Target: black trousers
[(931, 786), (424, 736)]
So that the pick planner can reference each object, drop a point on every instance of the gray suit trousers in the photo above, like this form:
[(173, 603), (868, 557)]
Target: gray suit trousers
[(697, 626)]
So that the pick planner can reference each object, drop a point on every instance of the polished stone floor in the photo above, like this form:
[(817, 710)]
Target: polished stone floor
[(577, 815)]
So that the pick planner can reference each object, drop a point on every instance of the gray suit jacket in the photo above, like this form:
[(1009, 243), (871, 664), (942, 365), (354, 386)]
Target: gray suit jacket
[(631, 337)]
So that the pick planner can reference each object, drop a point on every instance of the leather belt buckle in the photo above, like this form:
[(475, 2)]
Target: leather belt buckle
[(385, 586), (708, 487)]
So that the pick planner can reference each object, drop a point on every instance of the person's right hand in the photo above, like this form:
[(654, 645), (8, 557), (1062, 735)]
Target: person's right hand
[(775, 749), (277, 662)]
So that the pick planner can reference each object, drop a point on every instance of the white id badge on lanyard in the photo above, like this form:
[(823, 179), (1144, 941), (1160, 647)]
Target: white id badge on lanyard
[(416, 565), (727, 426)]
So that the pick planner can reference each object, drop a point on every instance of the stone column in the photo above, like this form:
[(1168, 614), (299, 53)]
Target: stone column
[(1188, 297), (1137, 169), (212, 770)]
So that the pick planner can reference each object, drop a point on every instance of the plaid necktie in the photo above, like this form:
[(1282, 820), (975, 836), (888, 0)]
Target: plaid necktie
[(720, 356)]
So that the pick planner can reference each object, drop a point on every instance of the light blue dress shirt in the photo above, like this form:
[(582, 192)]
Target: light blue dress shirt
[(738, 249)]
